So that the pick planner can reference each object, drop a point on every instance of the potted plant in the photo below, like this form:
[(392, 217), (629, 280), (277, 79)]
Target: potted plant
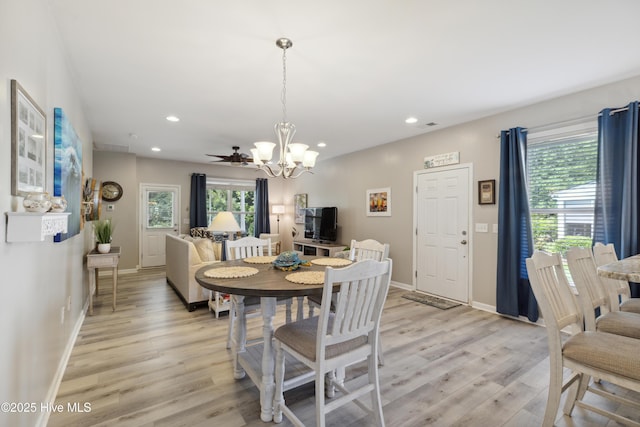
[(103, 231)]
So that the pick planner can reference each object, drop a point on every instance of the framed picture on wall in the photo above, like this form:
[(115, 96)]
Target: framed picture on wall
[(379, 202), (300, 203), (487, 192), (28, 143)]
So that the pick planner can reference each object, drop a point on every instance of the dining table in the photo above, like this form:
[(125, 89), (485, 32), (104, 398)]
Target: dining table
[(269, 283), (625, 269)]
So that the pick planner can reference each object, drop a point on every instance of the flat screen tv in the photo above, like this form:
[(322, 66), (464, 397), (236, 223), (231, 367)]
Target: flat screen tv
[(321, 224)]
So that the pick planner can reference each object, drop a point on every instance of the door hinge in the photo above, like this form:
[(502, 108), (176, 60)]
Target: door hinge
[(416, 274)]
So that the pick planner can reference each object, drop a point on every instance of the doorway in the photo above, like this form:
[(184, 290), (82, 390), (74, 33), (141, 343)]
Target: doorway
[(442, 237), (159, 216)]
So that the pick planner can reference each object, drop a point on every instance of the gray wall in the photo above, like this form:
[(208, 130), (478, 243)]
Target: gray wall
[(130, 172), (343, 181), (37, 278)]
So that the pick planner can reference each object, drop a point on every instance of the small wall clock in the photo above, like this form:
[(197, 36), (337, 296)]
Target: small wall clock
[(111, 191)]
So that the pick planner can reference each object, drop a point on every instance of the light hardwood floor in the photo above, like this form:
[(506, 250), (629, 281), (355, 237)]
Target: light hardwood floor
[(152, 363)]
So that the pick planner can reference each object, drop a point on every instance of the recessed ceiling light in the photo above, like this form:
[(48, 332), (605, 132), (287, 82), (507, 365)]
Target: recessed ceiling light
[(411, 120), (155, 149), (322, 144), (173, 119)]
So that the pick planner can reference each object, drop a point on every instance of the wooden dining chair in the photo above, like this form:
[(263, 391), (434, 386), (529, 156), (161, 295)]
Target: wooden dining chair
[(244, 248), (593, 295), (365, 249), (335, 339), (612, 358), (619, 292)]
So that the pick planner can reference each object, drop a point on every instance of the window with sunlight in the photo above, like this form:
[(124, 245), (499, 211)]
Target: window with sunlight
[(561, 176), (237, 197)]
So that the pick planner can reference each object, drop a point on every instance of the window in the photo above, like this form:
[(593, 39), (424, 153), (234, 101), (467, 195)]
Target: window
[(234, 196), (561, 175)]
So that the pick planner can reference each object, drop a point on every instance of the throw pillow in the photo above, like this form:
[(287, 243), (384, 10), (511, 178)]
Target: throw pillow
[(205, 249)]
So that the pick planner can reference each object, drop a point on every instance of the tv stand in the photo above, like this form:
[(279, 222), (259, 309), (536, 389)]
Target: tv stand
[(317, 248)]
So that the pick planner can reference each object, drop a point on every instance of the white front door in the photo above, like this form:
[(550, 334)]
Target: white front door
[(159, 216), (442, 232)]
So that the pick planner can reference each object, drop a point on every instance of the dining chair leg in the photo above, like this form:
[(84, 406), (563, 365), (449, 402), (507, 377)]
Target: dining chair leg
[(575, 393), (376, 402), (555, 391), (320, 399)]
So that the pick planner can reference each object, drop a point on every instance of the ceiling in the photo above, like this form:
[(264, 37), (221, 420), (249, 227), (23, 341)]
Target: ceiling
[(356, 70)]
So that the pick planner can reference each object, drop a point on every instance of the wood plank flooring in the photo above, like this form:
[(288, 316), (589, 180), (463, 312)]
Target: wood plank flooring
[(152, 363)]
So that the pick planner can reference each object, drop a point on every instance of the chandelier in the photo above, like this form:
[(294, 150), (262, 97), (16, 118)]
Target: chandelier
[(295, 158)]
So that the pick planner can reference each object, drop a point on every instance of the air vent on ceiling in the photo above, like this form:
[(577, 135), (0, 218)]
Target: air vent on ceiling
[(110, 147)]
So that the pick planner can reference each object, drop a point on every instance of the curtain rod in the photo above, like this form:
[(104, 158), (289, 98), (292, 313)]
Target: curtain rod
[(559, 124), (617, 110)]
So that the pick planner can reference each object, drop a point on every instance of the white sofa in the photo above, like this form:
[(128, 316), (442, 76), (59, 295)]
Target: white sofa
[(185, 255)]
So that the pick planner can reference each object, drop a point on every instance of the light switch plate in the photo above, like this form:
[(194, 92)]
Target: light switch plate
[(482, 228)]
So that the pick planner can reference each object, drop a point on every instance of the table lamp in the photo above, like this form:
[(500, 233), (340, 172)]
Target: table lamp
[(277, 210), (224, 222)]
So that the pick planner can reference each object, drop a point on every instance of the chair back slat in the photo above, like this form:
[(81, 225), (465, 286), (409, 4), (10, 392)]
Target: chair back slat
[(363, 289), (247, 247), (368, 249), (551, 288), (591, 291), (606, 254)]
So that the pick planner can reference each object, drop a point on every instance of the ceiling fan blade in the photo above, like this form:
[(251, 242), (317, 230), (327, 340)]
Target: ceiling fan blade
[(235, 158)]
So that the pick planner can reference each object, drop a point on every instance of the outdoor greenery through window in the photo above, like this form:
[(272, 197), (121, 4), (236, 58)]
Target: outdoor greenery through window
[(160, 209), (561, 175), (237, 197)]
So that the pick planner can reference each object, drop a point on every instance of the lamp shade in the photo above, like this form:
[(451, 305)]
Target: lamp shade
[(224, 222), (277, 209)]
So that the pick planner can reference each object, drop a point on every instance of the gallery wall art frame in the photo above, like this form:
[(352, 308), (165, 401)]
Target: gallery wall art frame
[(487, 192), (28, 143), (67, 173), (379, 202), (300, 204)]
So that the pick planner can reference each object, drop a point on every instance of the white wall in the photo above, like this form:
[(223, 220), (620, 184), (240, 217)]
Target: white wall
[(36, 278)]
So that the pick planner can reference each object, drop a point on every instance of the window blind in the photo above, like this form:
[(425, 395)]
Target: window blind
[(561, 175)]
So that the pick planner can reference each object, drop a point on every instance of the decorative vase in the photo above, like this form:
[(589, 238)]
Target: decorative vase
[(58, 204), (37, 202), (104, 248)]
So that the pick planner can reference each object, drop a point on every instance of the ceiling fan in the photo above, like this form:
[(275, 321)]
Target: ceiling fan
[(236, 159)]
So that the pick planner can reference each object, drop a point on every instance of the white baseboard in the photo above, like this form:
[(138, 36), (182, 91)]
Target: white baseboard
[(402, 286), (484, 307), (109, 271), (43, 419)]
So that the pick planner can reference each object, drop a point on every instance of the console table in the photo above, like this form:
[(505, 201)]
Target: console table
[(311, 248), (95, 261)]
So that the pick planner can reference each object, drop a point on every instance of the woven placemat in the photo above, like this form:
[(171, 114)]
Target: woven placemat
[(306, 277), (260, 259), (230, 272), (331, 262)]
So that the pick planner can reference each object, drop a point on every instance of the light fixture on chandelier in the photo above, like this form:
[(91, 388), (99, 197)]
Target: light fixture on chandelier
[(295, 158)]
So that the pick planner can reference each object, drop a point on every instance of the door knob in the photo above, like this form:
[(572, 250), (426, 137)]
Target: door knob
[(464, 242)]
